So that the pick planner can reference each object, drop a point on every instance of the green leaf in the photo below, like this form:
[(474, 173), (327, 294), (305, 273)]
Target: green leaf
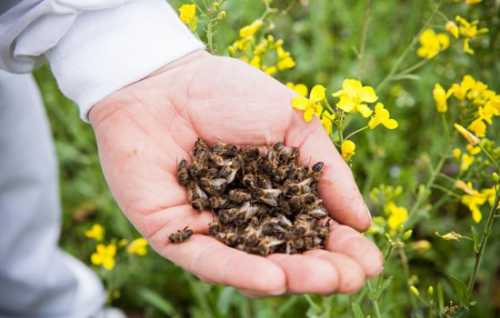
[(225, 300), (154, 299), (440, 297), (356, 310), (460, 289)]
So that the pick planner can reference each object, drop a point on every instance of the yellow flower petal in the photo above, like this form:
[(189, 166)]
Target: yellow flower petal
[(300, 103), (364, 110), (301, 89), (317, 93), (348, 148), (308, 114), (390, 124), (368, 95)]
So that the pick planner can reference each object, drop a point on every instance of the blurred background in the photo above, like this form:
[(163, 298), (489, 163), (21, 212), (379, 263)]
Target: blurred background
[(328, 42)]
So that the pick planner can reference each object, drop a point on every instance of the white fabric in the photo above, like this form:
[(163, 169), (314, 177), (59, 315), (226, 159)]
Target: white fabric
[(94, 47)]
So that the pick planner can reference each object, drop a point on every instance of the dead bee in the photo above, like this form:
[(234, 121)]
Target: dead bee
[(195, 192), (200, 148), (249, 181), (218, 160), (181, 235), (264, 182), (318, 213), (200, 204), (250, 154), (225, 150), (195, 169), (213, 186), (299, 187), (229, 171), (300, 202), (217, 202), (239, 196), (297, 173), (183, 173), (269, 196), (317, 167), (263, 201)]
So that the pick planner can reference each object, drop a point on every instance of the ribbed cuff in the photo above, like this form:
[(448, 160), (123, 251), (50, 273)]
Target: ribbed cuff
[(109, 49)]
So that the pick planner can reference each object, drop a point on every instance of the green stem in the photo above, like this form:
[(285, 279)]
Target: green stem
[(356, 132), (445, 190), (376, 308), (401, 58), (414, 67), (488, 154), (362, 42), (482, 245), (429, 183), (210, 36)]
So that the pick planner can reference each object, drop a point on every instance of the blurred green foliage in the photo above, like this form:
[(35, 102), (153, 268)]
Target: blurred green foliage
[(325, 38)]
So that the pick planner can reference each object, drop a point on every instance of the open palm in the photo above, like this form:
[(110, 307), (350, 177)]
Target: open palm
[(145, 129)]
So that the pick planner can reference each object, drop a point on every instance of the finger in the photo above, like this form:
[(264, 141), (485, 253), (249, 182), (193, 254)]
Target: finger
[(347, 241), (212, 261), (337, 186), (306, 274), (351, 275), (158, 226)]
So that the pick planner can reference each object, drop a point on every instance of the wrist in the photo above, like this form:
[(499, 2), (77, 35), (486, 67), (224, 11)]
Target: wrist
[(177, 71)]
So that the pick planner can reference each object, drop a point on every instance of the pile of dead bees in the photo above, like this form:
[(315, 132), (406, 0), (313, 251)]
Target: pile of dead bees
[(264, 200)]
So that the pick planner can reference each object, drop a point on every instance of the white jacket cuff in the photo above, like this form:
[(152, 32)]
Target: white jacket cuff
[(109, 49)]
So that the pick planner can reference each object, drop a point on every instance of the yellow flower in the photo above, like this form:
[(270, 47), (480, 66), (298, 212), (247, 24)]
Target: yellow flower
[(478, 127), (465, 187), (382, 116), (456, 153), (473, 202), (466, 162), (310, 106), (473, 150), (460, 91), (270, 70), (441, 98), (300, 89), (452, 28), (348, 148), (467, 48), (327, 121), (187, 14), (96, 232), (489, 194), (474, 199), (285, 60), (104, 256), (468, 30), (432, 43), (249, 31), (138, 247), (397, 215), (470, 137), (471, 2), (489, 110), (354, 96)]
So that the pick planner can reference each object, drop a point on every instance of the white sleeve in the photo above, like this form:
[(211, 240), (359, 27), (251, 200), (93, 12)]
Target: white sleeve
[(94, 47)]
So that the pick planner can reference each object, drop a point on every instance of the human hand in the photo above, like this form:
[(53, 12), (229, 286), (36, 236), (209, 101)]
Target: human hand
[(145, 129)]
